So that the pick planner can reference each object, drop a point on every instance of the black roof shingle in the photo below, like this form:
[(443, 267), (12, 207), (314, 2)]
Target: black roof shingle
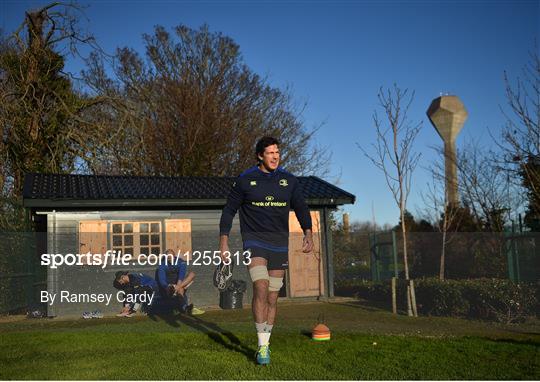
[(60, 190)]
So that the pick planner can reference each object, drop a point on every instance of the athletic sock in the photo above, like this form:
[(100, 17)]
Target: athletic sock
[(261, 335), (268, 332), (260, 327), (264, 338)]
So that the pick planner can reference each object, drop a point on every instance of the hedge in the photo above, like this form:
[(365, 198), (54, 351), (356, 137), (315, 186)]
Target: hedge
[(487, 299)]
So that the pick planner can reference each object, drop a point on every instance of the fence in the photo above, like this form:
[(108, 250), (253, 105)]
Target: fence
[(379, 256), (523, 256), (20, 278), (357, 256)]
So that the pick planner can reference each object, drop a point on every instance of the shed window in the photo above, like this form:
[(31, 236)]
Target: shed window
[(136, 238)]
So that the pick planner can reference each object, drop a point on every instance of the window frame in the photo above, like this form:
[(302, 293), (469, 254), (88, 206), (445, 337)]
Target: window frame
[(136, 233)]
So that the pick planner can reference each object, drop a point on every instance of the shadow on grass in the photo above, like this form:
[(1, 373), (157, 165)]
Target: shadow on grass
[(213, 331), (306, 333), (169, 318), (370, 306), (531, 342)]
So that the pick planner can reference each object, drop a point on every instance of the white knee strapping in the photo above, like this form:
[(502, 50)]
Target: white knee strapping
[(275, 283), (258, 272)]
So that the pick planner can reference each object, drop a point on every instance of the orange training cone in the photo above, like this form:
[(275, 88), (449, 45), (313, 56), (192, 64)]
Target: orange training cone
[(320, 333)]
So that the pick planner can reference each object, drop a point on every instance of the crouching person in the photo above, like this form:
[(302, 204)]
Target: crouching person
[(174, 280), (139, 292)]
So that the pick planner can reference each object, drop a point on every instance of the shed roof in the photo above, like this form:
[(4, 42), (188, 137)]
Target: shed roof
[(89, 191)]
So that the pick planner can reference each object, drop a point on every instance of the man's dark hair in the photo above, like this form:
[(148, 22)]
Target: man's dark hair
[(118, 275), (116, 284), (262, 144)]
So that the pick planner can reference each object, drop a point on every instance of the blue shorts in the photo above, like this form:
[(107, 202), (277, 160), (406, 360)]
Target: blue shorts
[(274, 260)]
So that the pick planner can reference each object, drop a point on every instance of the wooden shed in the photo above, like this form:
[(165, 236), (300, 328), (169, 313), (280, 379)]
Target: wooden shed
[(88, 213)]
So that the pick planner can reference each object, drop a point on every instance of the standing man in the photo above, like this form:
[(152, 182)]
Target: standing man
[(265, 193)]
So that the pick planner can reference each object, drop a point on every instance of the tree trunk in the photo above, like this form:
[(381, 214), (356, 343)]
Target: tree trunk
[(441, 266), (413, 299), (406, 262), (394, 302)]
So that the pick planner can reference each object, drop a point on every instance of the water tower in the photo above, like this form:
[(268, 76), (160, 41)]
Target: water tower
[(448, 114)]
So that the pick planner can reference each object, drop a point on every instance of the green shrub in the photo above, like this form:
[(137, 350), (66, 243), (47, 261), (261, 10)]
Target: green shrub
[(438, 298), (500, 300), (486, 299)]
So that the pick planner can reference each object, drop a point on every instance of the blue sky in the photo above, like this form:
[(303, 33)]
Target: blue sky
[(336, 55)]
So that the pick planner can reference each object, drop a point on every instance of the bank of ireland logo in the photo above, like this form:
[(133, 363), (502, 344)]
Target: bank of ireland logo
[(253, 183), (283, 182), (269, 198)]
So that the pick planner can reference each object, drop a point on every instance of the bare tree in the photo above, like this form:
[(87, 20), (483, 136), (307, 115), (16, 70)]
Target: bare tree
[(520, 142), (439, 211), (394, 156), (190, 106), (486, 188), (487, 198)]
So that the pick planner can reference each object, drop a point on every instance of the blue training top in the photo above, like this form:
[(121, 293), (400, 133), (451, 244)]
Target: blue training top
[(170, 273), (264, 200), (137, 280)]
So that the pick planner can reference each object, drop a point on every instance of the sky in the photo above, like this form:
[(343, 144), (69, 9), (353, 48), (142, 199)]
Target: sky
[(335, 55)]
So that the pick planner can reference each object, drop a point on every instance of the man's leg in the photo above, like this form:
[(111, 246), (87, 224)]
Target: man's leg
[(181, 292), (182, 302), (259, 275), (276, 282), (259, 304)]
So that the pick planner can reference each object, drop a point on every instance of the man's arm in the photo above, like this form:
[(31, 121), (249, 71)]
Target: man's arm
[(234, 201), (183, 284), (301, 210)]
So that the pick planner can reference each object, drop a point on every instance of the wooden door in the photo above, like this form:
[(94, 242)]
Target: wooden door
[(178, 236), (92, 237), (305, 269)]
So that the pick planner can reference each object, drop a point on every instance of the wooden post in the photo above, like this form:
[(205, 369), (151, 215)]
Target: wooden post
[(394, 252), (329, 253), (510, 255), (373, 256), (377, 262), (394, 303), (413, 299), (515, 252), (409, 310)]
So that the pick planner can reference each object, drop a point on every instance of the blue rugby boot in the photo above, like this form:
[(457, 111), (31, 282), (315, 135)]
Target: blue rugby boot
[(263, 355)]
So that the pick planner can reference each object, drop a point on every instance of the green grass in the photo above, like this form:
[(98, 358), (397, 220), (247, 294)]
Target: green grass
[(221, 345)]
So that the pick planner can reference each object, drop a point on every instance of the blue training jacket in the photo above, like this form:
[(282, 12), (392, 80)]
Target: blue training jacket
[(264, 200), (137, 280), (170, 273)]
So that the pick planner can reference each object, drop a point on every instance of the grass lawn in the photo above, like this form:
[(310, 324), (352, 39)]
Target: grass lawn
[(221, 345)]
